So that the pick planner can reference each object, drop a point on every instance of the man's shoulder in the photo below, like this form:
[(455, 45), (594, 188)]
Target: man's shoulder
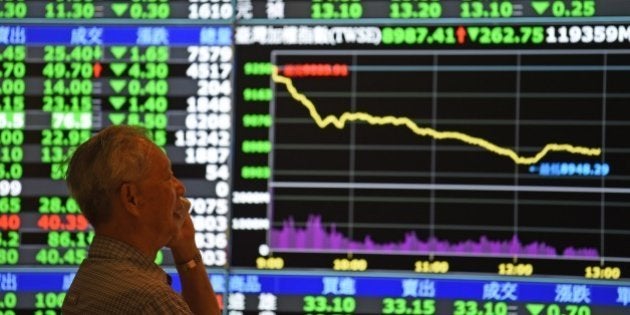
[(119, 275), (118, 287)]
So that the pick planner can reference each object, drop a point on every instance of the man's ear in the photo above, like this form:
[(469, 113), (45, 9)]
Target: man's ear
[(129, 198)]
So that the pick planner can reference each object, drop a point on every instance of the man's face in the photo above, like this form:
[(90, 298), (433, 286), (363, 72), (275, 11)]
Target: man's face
[(160, 193)]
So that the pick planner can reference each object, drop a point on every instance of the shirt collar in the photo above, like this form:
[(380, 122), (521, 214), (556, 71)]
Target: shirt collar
[(104, 247)]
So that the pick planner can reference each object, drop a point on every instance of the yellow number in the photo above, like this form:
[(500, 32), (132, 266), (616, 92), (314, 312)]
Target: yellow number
[(344, 264), (431, 266), (510, 269), (600, 272), (269, 263)]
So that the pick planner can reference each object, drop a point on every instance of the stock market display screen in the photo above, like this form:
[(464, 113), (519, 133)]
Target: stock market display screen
[(418, 157)]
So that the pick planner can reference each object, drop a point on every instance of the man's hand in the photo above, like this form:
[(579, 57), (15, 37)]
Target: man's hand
[(196, 288), (183, 242)]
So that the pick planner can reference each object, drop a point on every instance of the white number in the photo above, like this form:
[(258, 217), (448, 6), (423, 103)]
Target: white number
[(200, 138), (214, 87), (204, 104), (250, 224), (210, 11), (222, 189), (10, 188), (214, 257), (211, 240), (209, 205), (207, 155), (250, 197), (71, 120), (16, 120), (208, 121), (210, 53), (210, 223), (215, 172), (209, 71)]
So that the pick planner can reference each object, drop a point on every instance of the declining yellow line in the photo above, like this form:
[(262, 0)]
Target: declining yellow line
[(340, 122)]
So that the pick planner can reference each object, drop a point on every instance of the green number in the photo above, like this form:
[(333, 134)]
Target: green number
[(53, 256), (256, 146), (10, 239), (58, 170), (152, 54), (157, 104), (498, 308), (309, 303), (589, 7), (256, 120), (59, 239), (153, 121), (134, 70), (344, 304), (424, 307), (13, 53), (11, 154), (257, 68), (11, 69), (12, 103), (9, 256), (465, 308), (83, 239), (10, 171), (136, 11), (553, 309), (413, 307), (9, 300), (158, 137), (558, 8), (49, 300), (13, 86), (257, 95), (157, 87), (328, 10), (11, 137), (10, 204), (255, 172), (356, 10), (153, 11), (400, 306), (471, 9), (47, 256)]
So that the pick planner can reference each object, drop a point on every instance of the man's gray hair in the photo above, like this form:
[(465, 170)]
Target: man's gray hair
[(101, 165)]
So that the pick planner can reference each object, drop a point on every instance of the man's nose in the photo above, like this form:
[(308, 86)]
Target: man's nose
[(179, 187)]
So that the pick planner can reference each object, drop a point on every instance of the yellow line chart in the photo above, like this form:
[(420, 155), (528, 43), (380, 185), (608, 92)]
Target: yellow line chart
[(340, 122)]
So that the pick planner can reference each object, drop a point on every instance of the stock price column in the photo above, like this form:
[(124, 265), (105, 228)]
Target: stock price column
[(70, 73), (12, 112), (175, 82), (206, 137)]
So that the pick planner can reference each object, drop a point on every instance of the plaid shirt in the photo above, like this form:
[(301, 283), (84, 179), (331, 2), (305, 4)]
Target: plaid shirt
[(117, 279)]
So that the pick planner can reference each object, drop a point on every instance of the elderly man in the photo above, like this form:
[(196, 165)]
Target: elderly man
[(126, 189)]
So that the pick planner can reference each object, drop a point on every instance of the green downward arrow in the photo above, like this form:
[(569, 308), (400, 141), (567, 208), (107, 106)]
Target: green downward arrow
[(117, 101), (118, 68), (540, 6), (117, 85), (473, 33), (118, 51), (119, 8), (116, 118), (535, 309)]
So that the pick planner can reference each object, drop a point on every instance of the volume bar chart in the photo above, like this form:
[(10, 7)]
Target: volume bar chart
[(317, 238), (453, 154)]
